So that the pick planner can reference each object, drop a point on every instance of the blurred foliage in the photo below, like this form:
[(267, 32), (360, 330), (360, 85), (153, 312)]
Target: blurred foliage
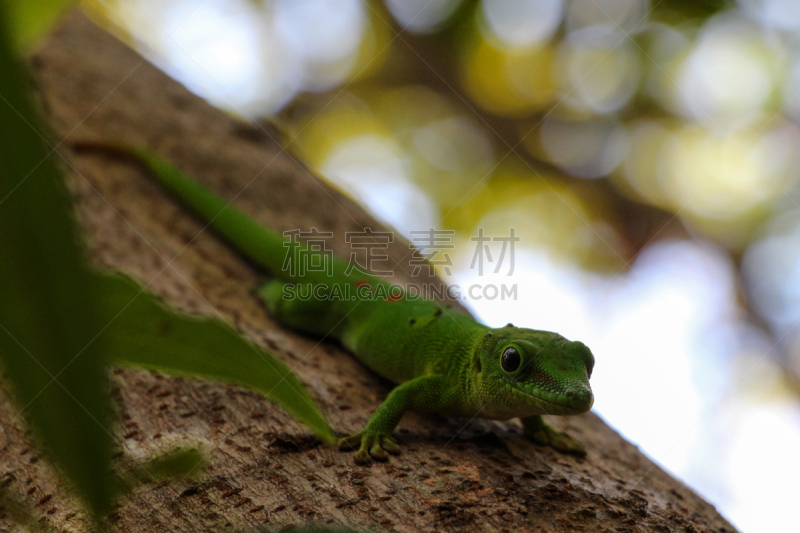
[(30, 19), (61, 324), (568, 92), (49, 315)]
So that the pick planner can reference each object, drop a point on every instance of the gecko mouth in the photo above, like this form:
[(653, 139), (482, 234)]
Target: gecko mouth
[(568, 403)]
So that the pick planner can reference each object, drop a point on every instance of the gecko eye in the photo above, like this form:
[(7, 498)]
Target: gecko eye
[(510, 360)]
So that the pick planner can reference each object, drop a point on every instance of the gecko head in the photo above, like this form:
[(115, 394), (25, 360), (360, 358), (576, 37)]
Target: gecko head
[(523, 372)]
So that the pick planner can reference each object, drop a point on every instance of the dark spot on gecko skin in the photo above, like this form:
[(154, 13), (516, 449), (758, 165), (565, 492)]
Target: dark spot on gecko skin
[(542, 377), (438, 312), (411, 321)]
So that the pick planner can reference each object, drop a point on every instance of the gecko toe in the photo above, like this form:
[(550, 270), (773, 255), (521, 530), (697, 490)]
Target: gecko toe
[(390, 445), (362, 457), (350, 443), (378, 453), (370, 446)]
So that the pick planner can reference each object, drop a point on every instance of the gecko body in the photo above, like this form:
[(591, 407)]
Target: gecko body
[(443, 360)]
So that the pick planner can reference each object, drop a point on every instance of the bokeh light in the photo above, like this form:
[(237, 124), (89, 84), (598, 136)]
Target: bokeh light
[(523, 23), (728, 74), (324, 35), (421, 16), (588, 149), (600, 69)]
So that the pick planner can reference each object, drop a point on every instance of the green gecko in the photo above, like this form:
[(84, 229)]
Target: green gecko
[(443, 360)]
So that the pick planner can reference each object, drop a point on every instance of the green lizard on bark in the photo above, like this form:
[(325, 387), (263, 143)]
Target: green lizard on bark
[(444, 361)]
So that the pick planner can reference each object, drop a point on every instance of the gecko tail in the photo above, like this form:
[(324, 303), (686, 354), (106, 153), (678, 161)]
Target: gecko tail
[(264, 247)]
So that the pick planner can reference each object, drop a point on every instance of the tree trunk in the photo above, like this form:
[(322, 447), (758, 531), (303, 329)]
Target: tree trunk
[(265, 469)]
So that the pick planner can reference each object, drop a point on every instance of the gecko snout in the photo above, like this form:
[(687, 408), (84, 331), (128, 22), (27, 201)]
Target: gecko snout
[(581, 399)]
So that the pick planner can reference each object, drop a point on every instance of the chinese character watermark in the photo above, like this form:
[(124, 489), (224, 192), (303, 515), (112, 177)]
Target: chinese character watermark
[(427, 251), (482, 249), (369, 241), (309, 255)]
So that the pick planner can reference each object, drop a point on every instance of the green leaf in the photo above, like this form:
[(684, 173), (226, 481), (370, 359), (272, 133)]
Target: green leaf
[(147, 334), (48, 320), (30, 19)]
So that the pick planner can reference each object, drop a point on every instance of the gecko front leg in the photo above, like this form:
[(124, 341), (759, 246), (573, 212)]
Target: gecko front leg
[(540, 432), (375, 441)]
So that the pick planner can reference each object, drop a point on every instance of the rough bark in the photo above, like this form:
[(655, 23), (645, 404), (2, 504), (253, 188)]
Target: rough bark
[(265, 469)]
